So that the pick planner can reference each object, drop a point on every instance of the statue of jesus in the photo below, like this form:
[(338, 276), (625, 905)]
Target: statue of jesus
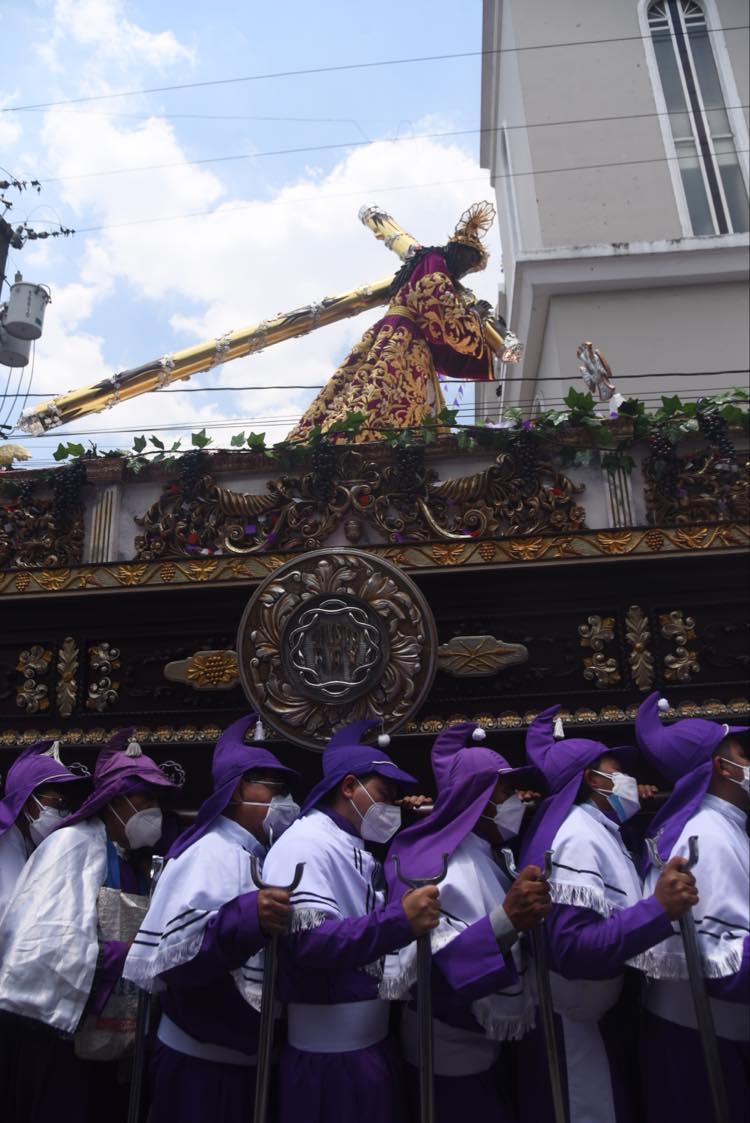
[(432, 325)]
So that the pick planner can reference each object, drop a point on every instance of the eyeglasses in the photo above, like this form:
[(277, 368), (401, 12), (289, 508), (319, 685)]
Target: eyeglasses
[(58, 801)]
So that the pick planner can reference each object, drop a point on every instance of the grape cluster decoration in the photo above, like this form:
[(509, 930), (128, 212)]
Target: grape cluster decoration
[(408, 474), (323, 460), (66, 492), (713, 428), (191, 467)]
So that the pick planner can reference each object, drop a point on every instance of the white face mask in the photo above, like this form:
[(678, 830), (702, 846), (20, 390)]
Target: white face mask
[(624, 797), (280, 814), (45, 822), (379, 822), (744, 783), (142, 829), (508, 816)]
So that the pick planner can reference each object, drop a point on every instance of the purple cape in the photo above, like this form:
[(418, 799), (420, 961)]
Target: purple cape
[(31, 770), (345, 754), (683, 754), (466, 776), (562, 764), (117, 773), (232, 758)]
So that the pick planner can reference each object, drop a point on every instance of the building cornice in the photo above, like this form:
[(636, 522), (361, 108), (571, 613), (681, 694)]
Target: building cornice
[(425, 557)]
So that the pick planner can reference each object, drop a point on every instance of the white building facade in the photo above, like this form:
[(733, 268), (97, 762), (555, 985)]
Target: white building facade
[(616, 135)]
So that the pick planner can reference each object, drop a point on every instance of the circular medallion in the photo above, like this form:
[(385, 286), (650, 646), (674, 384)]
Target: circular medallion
[(333, 637)]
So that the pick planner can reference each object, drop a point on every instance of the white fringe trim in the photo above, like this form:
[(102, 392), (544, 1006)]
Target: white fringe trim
[(144, 971), (397, 986), (563, 893), (303, 920), (673, 965), (251, 992), (500, 1026)]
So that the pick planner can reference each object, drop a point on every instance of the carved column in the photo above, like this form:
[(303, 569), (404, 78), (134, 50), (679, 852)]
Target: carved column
[(102, 524)]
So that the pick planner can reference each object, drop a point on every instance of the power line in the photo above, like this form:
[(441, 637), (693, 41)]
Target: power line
[(293, 202), (283, 419), (235, 157), (452, 382), (344, 67)]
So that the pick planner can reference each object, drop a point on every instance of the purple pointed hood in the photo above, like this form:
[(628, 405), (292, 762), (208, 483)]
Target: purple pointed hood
[(562, 763), (122, 768), (465, 775), (232, 758), (39, 764), (683, 753), (345, 753)]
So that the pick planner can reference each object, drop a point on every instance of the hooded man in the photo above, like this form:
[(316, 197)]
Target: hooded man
[(480, 994), (65, 935), (338, 1064), (200, 944), (598, 924), (708, 765), (34, 804)]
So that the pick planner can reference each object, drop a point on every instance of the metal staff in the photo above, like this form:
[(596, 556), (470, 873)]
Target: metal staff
[(268, 999), (544, 993), (142, 1019), (703, 1014), (424, 1000)]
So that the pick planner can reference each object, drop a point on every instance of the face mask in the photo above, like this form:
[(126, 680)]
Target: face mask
[(280, 814), (379, 822), (624, 797), (46, 821), (744, 783), (508, 816), (142, 829)]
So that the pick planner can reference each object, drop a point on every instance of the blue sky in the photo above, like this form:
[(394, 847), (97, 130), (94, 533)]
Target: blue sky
[(273, 232)]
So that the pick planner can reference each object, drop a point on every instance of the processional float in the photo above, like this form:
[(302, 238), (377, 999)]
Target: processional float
[(181, 365)]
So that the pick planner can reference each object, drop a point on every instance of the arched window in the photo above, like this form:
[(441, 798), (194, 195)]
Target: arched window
[(704, 141)]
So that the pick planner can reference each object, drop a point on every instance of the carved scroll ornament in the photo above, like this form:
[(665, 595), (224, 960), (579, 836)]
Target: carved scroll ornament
[(394, 506)]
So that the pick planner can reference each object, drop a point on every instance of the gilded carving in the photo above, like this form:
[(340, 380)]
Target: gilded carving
[(104, 660), (704, 487), (67, 669), (206, 670), (333, 637), (734, 708), (347, 489), (418, 556), (479, 656), (32, 538), (638, 637), (599, 668), (34, 664), (682, 663)]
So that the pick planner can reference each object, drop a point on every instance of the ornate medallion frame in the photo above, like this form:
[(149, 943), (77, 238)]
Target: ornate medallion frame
[(336, 636)]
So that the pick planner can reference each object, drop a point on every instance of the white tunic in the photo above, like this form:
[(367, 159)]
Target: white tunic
[(722, 920), (14, 851)]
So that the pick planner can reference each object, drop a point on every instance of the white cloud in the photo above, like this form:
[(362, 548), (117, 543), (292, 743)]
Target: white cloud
[(115, 41)]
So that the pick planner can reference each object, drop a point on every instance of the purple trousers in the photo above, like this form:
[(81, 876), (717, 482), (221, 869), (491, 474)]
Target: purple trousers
[(674, 1073), (187, 1090), (460, 1097), (362, 1086), (52, 1083)]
